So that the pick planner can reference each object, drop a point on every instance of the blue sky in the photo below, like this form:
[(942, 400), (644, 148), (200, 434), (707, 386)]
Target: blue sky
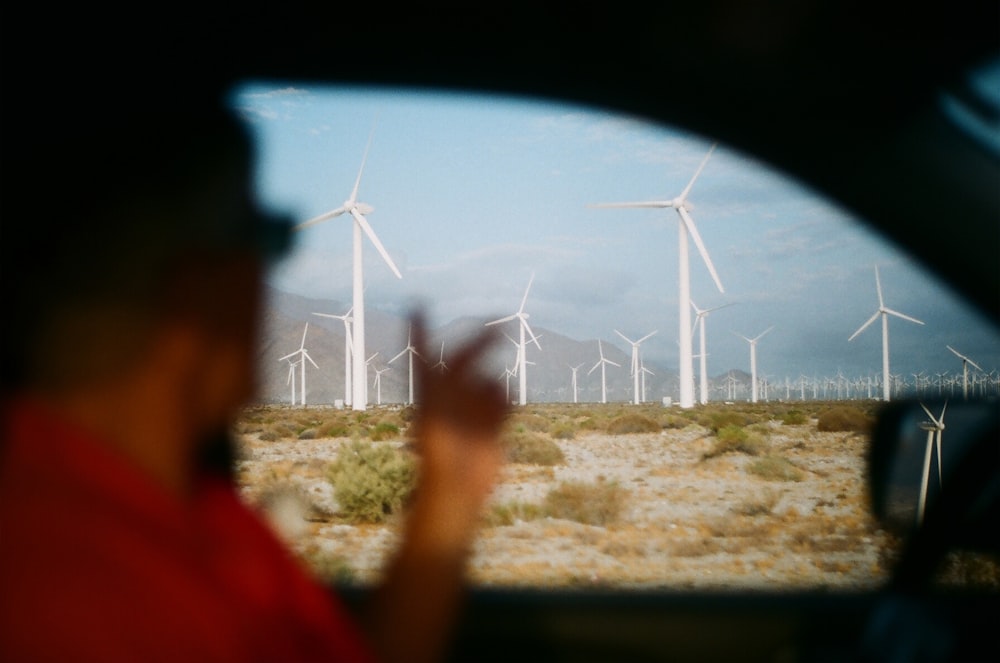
[(473, 195)]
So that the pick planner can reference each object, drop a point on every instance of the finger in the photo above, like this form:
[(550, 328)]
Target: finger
[(473, 350)]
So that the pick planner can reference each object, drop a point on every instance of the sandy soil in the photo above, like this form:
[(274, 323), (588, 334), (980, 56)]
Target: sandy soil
[(688, 522)]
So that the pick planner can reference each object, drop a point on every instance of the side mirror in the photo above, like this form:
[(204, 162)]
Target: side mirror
[(934, 473)]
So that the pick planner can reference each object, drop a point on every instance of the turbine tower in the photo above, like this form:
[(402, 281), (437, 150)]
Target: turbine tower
[(699, 321), (303, 356), (358, 211), (602, 362), (753, 361), (574, 369), (884, 312), (965, 370), (635, 369), (348, 349), (523, 327), (409, 349), (686, 227)]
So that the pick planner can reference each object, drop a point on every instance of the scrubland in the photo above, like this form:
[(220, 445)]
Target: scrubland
[(764, 497)]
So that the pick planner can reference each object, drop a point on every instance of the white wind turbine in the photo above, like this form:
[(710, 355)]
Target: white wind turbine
[(443, 366), (699, 321), (753, 361), (885, 312), (635, 369), (303, 356), (685, 227), (934, 427), (575, 369), (523, 327), (602, 362), (645, 371), (291, 378), (348, 350), (358, 210), (411, 351), (378, 383), (965, 370)]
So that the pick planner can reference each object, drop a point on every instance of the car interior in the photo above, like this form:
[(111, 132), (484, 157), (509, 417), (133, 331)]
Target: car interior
[(852, 101)]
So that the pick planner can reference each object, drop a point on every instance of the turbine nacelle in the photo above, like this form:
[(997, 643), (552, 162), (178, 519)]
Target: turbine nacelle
[(360, 208)]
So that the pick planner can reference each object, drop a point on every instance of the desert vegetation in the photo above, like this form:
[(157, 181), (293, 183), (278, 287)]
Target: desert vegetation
[(763, 496)]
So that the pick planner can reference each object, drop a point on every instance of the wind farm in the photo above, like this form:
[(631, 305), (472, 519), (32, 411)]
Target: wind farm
[(578, 265)]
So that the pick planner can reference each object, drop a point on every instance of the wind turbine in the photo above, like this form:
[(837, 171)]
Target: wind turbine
[(699, 321), (358, 211), (443, 366), (644, 371), (348, 350), (934, 427), (635, 369), (575, 369), (409, 349), (602, 362), (885, 312), (523, 327), (303, 356), (965, 370), (378, 383), (685, 227), (753, 361)]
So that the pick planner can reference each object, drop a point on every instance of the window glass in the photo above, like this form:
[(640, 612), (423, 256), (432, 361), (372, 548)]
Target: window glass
[(488, 207)]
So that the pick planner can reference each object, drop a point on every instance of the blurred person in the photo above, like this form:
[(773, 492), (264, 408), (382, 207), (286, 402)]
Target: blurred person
[(132, 258)]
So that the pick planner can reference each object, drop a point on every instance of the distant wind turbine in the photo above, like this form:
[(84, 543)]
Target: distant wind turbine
[(685, 227), (348, 350), (358, 211), (443, 366), (753, 361), (934, 427), (965, 370), (635, 369), (303, 356), (699, 321), (602, 362), (291, 378), (645, 371), (378, 384), (885, 312), (409, 349), (523, 327)]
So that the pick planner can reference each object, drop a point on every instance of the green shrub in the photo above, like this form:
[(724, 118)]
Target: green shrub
[(384, 430), (507, 514), (775, 468), (844, 418), (335, 429), (719, 420), (628, 424), (794, 418), (371, 481), (599, 503), (308, 434), (531, 448)]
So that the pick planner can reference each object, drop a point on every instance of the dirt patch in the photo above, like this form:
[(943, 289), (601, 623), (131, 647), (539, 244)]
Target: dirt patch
[(688, 521)]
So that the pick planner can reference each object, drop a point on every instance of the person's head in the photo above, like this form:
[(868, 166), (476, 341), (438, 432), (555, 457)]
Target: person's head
[(125, 214)]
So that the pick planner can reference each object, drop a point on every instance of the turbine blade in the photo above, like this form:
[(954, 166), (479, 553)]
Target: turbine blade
[(613, 363), (648, 204), (865, 326), (627, 339), (878, 287), (693, 231), (534, 338), (364, 159), (304, 332), (288, 356), (646, 336), (902, 315), (363, 222), (594, 368), (759, 336), (526, 290), (321, 218), (687, 189), (399, 355), (501, 320), (306, 355)]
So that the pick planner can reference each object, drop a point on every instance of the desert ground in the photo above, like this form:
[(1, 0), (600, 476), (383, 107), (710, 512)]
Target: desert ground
[(741, 497)]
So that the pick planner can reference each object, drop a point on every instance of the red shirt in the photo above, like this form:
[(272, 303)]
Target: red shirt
[(97, 563)]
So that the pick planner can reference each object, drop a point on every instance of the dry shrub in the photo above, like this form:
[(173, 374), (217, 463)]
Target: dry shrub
[(532, 448), (529, 421), (384, 430), (308, 434), (775, 468), (628, 424), (599, 503), (762, 506), (563, 431), (732, 438), (371, 481), (844, 418), (268, 436), (501, 515), (719, 420)]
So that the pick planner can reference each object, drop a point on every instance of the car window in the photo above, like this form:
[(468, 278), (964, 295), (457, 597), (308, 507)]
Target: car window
[(564, 226)]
